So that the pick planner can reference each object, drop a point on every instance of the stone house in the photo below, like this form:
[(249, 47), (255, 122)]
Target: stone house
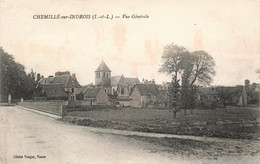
[(51, 92), (211, 96), (147, 95), (253, 93), (69, 83), (95, 96)]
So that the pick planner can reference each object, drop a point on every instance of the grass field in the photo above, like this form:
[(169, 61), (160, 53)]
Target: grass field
[(237, 123)]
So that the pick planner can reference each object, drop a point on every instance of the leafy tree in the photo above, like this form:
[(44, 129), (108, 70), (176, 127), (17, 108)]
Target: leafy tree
[(172, 59), (38, 78), (174, 96), (14, 79), (187, 68), (202, 65), (224, 96), (194, 68)]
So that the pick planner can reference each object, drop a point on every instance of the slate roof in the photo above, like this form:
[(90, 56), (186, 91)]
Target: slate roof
[(207, 90), (67, 81), (91, 92), (115, 80), (131, 81), (102, 67), (54, 91), (46, 80), (234, 92), (125, 81), (149, 89)]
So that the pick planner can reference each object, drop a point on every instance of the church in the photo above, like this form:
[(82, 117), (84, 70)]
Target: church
[(117, 88)]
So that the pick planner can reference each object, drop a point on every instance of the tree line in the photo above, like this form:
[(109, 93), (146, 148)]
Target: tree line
[(188, 71), (14, 79)]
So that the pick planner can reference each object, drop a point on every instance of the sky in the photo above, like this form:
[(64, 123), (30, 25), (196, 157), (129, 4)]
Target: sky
[(229, 30)]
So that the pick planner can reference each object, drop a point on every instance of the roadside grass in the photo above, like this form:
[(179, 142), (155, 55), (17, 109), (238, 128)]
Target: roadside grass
[(205, 149), (237, 123)]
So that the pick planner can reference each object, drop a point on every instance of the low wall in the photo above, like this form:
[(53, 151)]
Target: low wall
[(70, 108), (52, 106)]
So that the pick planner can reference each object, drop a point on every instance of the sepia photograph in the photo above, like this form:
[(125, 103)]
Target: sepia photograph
[(130, 82)]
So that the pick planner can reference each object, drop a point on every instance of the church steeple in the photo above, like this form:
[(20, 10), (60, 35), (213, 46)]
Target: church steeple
[(103, 67), (102, 72)]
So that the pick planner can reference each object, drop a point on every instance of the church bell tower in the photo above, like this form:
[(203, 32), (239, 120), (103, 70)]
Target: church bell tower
[(102, 72)]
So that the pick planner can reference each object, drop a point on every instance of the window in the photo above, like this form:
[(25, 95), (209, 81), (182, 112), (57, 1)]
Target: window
[(114, 91), (98, 75), (122, 91)]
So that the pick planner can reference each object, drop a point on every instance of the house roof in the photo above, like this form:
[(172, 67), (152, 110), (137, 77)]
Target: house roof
[(103, 67), (115, 80), (234, 92), (91, 92), (67, 81), (54, 90), (149, 89), (125, 81), (131, 81), (207, 90), (46, 80)]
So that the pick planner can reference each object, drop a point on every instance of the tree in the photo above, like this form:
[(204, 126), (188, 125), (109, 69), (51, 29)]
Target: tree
[(203, 69), (172, 64), (14, 79), (202, 72), (174, 96), (194, 68), (38, 78), (187, 68), (224, 96), (172, 60)]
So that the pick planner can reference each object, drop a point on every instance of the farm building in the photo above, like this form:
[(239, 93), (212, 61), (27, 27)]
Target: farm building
[(147, 95)]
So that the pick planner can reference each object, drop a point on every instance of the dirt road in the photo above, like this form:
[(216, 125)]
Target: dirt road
[(24, 135), (27, 137)]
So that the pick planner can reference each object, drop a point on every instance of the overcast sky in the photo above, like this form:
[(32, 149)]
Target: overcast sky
[(228, 30)]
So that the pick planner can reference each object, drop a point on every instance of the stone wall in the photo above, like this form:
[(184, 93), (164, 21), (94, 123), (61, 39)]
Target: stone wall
[(53, 107)]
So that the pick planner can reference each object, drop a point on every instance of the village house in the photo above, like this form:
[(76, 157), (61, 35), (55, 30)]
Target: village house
[(253, 93), (95, 96), (68, 83), (211, 96), (147, 95)]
